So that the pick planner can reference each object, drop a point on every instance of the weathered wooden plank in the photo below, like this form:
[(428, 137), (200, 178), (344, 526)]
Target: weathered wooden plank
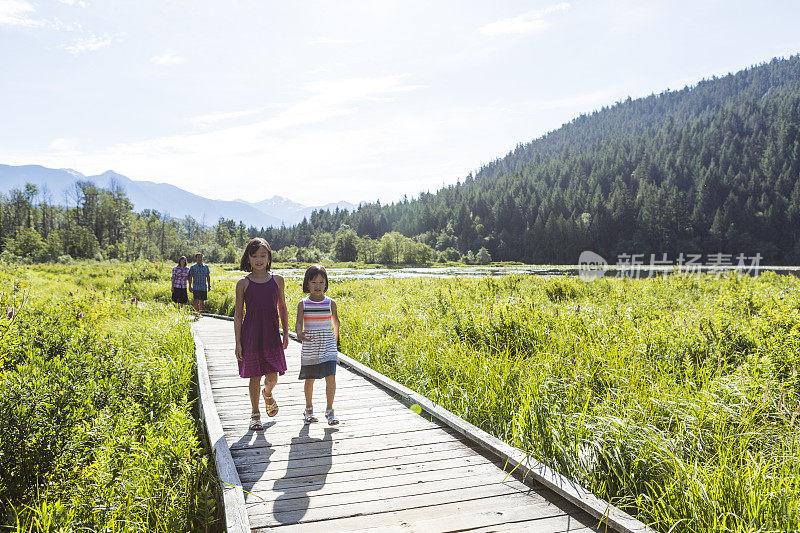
[(561, 485), (382, 468), (240, 397), (342, 464), (235, 426), (354, 446), (261, 441), (495, 521), (411, 508), (432, 434), (236, 519), (382, 408), (375, 416), (570, 523), (369, 456), (291, 408), (366, 490), (229, 377), (230, 372), (343, 432), (452, 516), (438, 490), (446, 468), (237, 420)]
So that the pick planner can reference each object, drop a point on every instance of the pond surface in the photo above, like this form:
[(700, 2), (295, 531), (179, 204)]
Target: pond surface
[(481, 271), (431, 272)]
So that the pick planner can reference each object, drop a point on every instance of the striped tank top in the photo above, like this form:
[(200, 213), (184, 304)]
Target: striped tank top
[(317, 324)]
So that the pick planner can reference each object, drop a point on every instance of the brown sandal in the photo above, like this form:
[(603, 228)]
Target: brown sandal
[(270, 404)]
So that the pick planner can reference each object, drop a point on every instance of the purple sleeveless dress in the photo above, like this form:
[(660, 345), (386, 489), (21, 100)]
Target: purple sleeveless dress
[(262, 346)]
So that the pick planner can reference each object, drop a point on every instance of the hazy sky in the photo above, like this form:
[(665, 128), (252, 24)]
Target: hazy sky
[(328, 101)]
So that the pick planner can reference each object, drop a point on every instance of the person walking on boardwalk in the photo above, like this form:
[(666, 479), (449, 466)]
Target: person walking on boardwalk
[(260, 299), (199, 282), (317, 326), (180, 273)]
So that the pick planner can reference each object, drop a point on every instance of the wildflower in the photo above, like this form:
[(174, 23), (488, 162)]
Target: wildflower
[(70, 293), (578, 309), (80, 314), (11, 313)]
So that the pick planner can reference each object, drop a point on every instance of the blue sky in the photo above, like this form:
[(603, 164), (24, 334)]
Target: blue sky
[(328, 101)]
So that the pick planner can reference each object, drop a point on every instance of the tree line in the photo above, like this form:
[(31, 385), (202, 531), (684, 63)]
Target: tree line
[(710, 169), (101, 224)]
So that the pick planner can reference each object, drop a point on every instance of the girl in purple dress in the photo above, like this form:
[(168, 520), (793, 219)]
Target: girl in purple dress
[(260, 299)]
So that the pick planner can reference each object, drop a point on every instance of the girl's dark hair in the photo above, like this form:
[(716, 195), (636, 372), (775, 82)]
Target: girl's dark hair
[(251, 248), (311, 273), (185, 261)]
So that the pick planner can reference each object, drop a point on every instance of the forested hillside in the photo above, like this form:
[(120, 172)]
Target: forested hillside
[(712, 168)]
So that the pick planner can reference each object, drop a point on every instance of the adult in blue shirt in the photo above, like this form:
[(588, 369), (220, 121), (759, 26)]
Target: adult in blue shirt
[(199, 282)]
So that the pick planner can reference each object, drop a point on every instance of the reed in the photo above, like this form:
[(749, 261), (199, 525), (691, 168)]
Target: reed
[(96, 424), (676, 398)]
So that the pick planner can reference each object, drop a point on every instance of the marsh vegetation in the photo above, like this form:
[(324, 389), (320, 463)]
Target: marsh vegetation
[(677, 398)]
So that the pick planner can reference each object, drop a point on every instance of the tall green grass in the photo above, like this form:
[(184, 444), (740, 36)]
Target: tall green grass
[(676, 398), (96, 425)]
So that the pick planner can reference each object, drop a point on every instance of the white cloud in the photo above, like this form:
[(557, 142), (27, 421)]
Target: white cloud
[(530, 22), (329, 41), (169, 57), (64, 147), (266, 153), (583, 103), (207, 120), (327, 69), (335, 98), (15, 13), (80, 3), (87, 44)]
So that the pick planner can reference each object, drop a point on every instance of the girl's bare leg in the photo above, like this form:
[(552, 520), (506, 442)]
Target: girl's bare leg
[(330, 389), (270, 380), (308, 389), (255, 392)]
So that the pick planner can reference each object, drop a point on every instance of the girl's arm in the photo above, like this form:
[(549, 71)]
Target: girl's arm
[(335, 320), (298, 324), (282, 311), (238, 314)]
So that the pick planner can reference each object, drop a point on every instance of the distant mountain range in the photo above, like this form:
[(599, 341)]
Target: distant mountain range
[(163, 197)]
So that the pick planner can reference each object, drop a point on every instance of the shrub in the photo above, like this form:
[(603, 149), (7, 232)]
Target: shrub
[(95, 417)]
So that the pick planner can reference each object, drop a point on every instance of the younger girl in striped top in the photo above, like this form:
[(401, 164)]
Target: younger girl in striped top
[(317, 326)]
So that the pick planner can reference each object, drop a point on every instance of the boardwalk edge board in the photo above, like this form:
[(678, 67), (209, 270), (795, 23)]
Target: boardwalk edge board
[(527, 466), (236, 520)]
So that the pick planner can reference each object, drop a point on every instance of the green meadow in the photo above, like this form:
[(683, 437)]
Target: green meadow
[(97, 431), (676, 398)]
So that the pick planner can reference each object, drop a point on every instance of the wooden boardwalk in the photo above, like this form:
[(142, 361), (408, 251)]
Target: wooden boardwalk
[(383, 468)]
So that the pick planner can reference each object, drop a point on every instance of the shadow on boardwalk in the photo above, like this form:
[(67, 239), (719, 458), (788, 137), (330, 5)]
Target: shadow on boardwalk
[(291, 506), (255, 439)]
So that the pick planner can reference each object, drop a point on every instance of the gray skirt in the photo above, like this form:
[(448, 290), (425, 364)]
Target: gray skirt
[(321, 370)]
